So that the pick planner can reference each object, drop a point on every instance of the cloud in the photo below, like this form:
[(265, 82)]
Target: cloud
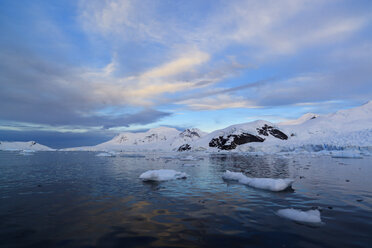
[(37, 91), (143, 88), (177, 66), (224, 101), (272, 28), (343, 84)]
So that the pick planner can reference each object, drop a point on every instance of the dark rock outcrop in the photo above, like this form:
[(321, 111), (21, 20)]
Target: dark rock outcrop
[(232, 141), (266, 130), (184, 147), (190, 133), (153, 137)]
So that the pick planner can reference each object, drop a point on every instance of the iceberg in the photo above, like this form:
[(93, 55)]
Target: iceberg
[(162, 175), (310, 216), (259, 183)]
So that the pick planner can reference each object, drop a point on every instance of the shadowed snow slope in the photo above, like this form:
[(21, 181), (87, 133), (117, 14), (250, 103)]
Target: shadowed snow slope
[(311, 216), (162, 175), (260, 183), (18, 146)]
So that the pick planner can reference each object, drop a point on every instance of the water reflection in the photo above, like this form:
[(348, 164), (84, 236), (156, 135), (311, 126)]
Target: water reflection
[(88, 201), (254, 166)]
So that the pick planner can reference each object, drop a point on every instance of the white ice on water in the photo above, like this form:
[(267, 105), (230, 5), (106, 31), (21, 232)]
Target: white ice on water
[(260, 183), (162, 175), (105, 154), (27, 152), (310, 216)]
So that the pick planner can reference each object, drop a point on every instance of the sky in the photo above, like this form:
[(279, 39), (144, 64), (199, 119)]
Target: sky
[(77, 73)]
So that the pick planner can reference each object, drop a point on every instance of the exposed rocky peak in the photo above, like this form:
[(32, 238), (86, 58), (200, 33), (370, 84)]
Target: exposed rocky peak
[(231, 141), (184, 147), (121, 138), (152, 138), (266, 130), (190, 133)]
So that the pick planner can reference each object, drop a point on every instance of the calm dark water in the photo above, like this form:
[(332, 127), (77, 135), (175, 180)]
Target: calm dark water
[(75, 199)]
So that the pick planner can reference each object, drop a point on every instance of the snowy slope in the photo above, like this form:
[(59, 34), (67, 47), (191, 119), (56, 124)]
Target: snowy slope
[(18, 146), (300, 120)]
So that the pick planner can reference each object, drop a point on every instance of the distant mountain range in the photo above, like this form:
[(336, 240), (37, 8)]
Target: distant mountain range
[(29, 145), (345, 129)]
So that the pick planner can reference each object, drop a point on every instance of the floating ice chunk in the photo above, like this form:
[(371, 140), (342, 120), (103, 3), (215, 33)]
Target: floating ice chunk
[(260, 183), (310, 216), (162, 175), (346, 154), (28, 151), (105, 154)]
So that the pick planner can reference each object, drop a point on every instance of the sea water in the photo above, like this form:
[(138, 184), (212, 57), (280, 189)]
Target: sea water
[(76, 199)]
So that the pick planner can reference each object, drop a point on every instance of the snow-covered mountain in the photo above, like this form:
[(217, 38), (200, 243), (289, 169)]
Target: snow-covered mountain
[(18, 146), (345, 129), (156, 139)]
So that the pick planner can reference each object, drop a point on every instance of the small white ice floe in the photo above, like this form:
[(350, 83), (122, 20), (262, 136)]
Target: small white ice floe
[(260, 183), (105, 154), (162, 175), (346, 154), (310, 216), (27, 152)]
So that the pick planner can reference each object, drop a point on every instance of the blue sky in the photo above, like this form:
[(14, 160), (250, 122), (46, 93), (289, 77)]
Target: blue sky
[(78, 72)]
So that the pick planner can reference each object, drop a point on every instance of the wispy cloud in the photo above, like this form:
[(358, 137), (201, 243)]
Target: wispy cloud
[(220, 101)]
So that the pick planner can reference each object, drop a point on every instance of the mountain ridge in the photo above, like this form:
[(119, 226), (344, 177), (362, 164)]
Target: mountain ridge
[(344, 129)]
